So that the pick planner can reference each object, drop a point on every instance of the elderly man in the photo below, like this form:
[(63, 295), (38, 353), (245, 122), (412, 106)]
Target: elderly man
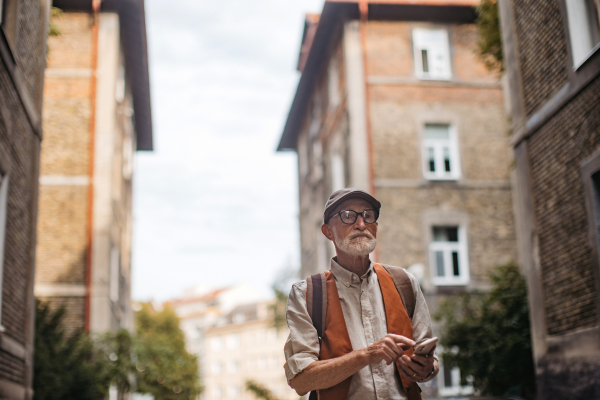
[(365, 349)]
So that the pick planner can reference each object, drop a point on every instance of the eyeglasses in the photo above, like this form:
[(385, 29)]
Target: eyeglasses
[(349, 216)]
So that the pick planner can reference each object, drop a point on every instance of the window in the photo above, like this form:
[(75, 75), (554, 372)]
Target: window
[(233, 341), (217, 368), (217, 343), (1, 10), (233, 367), (3, 205), (333, 83), (115, 273), (432, 55), (449, 383), (233, 391), (440, 153), (217, 392), (583, 17), (448, 256), (337, 172)]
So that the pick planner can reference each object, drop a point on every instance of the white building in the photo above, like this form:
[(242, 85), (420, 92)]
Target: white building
[(245, 346)]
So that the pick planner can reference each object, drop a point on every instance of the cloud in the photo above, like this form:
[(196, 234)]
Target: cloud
[(214, 203)]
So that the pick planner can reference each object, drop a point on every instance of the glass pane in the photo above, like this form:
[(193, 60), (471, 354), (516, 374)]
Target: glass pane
[(452, 234), (437, 131), (431, 156), (439, 263), (424, 60), (455, 268), (439, 234), (447, 377), (447, 159)]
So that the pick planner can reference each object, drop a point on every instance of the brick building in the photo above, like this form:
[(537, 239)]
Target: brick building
[(23, 32), (96, 115), (393, 100), (552, 56)]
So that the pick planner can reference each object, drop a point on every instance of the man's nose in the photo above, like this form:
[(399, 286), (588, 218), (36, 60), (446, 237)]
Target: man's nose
[(360, 222)]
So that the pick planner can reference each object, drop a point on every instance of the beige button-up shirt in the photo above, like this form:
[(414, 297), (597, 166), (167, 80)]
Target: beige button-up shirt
[(362, 305)]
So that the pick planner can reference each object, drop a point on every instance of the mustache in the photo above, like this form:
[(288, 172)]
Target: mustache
[(368, 234)]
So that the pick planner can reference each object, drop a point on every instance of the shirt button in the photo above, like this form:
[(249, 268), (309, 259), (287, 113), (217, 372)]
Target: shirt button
[(376, 370)]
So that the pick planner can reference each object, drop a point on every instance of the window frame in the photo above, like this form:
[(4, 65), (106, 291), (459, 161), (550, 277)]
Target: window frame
[(4, 185), (572, 29), (449, 279), (455, 166), (455, 389), (418, 57), (589, 169)]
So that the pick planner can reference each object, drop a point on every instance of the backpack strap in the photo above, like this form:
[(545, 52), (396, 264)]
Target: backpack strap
[(404, 287), (316, 301)]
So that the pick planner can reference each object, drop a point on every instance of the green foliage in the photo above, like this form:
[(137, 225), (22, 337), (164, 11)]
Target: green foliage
[(489, 46), (119, 349), (165, 368), (487, 335), (66, 367), (53, 29), (259, 391)]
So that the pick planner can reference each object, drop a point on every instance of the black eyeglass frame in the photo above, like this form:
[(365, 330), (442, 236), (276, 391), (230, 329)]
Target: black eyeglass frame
[(362, 214)]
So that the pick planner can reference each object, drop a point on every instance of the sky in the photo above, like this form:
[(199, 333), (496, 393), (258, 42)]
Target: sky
[(214, 204)]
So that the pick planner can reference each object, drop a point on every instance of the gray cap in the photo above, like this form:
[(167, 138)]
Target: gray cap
[(344, 194)]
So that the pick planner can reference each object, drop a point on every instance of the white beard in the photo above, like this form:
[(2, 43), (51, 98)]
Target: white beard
[(356, 246)]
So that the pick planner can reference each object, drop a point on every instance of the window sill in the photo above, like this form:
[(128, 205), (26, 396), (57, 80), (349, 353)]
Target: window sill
[(587, 58), (443, 179), (434, 78), (449, 282)]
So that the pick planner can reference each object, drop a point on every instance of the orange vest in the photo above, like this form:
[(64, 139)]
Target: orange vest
[(336, 341)]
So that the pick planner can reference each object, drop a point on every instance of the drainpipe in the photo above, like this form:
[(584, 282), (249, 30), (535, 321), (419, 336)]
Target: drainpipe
[(90, 219), (363, 7)]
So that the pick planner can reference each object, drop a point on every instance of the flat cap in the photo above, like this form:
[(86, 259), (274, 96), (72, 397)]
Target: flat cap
[(344, 194)]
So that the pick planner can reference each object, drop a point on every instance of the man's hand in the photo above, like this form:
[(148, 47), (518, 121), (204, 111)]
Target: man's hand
[(389, 348), (416, 368)]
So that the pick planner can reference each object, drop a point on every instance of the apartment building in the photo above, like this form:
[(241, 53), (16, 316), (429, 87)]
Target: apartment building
[(552, 56), (23, 33), (393, 100), (245, 346), (96, 116)]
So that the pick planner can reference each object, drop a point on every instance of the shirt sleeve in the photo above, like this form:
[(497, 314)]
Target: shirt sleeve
[(302, 345), (421, 320)]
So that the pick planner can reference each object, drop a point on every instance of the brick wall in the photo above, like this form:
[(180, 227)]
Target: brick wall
[(542, 50), (556, 152), (19, 151), (63, 209)]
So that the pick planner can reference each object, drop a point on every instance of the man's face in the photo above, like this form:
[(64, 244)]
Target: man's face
[(357, 239)]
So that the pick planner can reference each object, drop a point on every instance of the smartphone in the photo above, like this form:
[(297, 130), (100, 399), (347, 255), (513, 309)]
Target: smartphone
[(425, 347)]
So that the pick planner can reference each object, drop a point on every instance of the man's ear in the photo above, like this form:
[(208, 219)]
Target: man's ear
[(327, 231)]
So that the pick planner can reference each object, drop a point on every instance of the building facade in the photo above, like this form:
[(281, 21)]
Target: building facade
[(245, 346), (23, 33), (201, 309), (96, 115), (552, 56), (393, 100)]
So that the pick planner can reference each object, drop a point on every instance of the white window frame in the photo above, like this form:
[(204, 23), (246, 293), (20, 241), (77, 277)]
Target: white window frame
[(438, 146), (4, 181), (449, 279), (584, 29), (420, 44)]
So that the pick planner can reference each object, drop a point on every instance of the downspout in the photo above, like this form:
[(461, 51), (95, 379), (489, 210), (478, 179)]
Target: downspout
[(91, 158), (363, 7)]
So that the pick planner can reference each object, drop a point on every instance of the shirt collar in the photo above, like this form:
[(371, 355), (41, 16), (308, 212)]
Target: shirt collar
[(346, 277)]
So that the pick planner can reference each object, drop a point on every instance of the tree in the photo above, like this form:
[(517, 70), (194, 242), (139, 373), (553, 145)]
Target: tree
[(165, 368), (66, 367), (489, 46), (487, 335), (259, 391)]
